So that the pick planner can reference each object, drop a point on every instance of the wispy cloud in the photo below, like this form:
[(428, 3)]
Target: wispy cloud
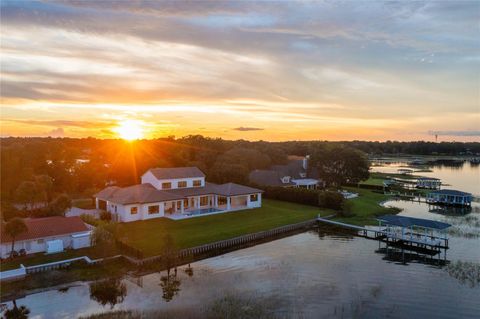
[(318, 66), (246, 129), (455, 133)]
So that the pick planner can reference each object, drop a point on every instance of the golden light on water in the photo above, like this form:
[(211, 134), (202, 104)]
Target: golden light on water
[(130, 130)]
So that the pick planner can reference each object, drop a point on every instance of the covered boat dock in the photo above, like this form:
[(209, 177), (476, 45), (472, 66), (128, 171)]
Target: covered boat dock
[(413, 231), (422, 236), (450, 197)]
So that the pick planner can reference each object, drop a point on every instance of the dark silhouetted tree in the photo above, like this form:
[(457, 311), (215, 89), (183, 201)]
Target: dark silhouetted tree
[(15, 227), (109, 291)]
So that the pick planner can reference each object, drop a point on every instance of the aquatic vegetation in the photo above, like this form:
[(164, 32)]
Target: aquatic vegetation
[(231, 306), (457, 232), (466, 272)]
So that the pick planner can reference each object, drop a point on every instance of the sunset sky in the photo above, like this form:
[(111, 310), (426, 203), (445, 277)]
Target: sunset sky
[(268, 70)]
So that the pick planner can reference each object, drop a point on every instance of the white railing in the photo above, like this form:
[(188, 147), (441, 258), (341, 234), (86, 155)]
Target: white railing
[(13, 274), (22, 271)]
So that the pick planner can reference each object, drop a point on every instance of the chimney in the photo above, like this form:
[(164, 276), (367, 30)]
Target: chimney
[(305, 162)]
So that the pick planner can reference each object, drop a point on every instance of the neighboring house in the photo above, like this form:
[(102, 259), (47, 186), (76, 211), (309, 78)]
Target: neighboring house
[(176, 193), (294, 174), (58, 232)]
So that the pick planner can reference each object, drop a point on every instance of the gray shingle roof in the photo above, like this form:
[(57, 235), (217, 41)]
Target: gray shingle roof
[(141, 193), (176, 172), (107, 192), (209, 188), (404, 221), (450, 192), (232, 189), (146, 193), (267, 178)]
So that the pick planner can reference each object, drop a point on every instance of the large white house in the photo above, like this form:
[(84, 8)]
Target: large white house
[(176, 193), (49, 234)]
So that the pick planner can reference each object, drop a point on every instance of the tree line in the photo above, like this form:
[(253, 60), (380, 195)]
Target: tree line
[(52, 170)]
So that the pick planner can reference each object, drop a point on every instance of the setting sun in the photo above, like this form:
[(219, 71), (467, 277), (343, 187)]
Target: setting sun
[(129, 130)]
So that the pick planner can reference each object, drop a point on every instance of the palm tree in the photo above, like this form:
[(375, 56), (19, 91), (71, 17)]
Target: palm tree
[(15, 227)]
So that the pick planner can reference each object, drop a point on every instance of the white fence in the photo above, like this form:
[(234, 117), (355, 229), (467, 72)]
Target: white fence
[(22, 271), (13, 274)]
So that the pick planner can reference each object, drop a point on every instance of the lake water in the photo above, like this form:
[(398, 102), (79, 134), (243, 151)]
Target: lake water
[(463, 176), (317, 274)]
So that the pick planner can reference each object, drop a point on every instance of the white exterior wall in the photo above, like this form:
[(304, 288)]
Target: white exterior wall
[(142, 214), (34, 246), (81, 242), (256, 204), (149, 178)]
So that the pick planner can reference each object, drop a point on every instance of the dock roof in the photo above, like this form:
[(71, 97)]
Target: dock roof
[(450, 192), (405, 221), (428, 178)]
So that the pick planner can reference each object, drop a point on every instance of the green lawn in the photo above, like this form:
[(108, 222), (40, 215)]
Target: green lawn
[(374, 180), (366, 207), (148, 235)]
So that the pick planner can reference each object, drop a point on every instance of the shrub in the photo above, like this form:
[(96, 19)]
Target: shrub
[(346, 210), (332, 200), (89, 219), (104, 215), (294, 195)]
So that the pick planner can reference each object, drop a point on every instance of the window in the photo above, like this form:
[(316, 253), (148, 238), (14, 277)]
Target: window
[(166, 185), (153, 209), (182, 184), (179, 205), (169, 207), (254, 197), (40, 241), (133, 210), (197, 183), (115, 208), (185, 203), (204, 201), (222, 200)]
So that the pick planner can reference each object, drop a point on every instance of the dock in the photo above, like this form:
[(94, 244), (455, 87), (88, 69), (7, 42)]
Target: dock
[(400, 232)]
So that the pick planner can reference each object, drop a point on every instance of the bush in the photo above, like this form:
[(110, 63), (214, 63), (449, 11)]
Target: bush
[(89, 219), (346, 210), (294, 195), (332, 200), (104, 215)]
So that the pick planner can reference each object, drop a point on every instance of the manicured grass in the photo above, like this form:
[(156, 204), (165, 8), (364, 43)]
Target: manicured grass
[(148, 235), (378, 178), (366, 207), (374, 180)]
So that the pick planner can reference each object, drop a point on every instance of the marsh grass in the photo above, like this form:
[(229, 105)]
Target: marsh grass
[(465, 271)]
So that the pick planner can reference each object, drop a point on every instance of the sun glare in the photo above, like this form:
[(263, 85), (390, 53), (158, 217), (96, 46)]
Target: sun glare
[(129, 130)]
